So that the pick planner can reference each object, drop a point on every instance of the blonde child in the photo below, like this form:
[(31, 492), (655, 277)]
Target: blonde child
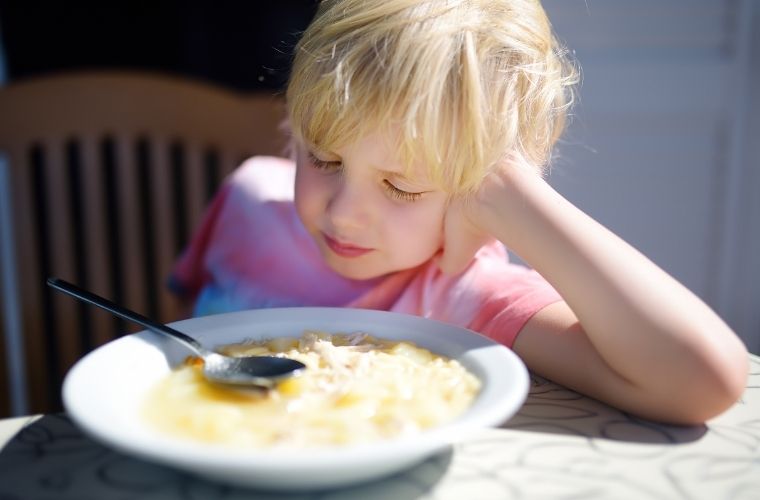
[(421, 130)]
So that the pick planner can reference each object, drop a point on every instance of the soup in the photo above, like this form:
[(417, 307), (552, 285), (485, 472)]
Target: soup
[(356, 389)]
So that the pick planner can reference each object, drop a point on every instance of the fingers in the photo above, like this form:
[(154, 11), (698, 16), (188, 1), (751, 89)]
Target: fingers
[(462, 239)]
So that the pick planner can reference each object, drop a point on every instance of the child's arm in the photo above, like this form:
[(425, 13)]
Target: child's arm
[(628, 333)]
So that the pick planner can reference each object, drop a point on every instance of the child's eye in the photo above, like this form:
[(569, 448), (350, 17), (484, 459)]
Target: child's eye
[(327, 165), (400, 194)]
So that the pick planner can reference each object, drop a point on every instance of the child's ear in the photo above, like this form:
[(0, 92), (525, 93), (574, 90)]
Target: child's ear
[(461, 240)]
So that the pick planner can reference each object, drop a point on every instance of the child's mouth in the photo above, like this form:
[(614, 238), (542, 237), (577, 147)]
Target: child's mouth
[(344, 249)]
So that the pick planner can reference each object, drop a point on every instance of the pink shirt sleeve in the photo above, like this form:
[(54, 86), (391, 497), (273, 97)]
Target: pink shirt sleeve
[(509, 308)]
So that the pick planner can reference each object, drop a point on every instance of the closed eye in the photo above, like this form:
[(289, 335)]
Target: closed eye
[(400, 194), (326, 165), (331, 166)]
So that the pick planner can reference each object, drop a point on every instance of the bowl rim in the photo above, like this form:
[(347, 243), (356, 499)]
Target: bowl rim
[(489, 360)]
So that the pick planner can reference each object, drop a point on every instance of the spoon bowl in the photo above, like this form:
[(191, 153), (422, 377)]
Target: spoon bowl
[(260, 371)]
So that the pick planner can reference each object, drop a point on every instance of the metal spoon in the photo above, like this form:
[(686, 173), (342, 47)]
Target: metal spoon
[(261, 371)]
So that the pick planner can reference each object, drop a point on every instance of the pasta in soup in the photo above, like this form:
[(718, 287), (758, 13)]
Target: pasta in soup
[(355, 389)]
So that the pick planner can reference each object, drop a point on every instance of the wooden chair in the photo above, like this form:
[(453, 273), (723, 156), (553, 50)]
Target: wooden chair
[(102, 178)]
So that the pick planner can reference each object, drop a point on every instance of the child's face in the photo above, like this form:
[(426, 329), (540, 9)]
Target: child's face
[(365, 216)]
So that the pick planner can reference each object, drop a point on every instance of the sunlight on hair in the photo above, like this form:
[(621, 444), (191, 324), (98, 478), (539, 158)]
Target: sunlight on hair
[(461, 85)]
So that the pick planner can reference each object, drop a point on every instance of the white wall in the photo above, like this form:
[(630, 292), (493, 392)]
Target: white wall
[(662, 148), (741, 287)]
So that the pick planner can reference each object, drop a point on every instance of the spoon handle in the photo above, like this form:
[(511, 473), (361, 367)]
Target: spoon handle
[(124, 313)]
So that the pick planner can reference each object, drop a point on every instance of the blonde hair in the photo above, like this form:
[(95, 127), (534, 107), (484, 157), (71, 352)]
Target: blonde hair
[(463, 84)]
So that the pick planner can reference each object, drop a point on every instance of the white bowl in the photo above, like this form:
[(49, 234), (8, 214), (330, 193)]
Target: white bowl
[(104, 391)]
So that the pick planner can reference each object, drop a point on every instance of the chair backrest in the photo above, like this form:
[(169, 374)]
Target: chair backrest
[(107, 175)]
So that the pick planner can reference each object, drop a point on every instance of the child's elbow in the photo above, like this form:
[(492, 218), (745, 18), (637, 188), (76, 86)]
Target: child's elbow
[(716, 388)]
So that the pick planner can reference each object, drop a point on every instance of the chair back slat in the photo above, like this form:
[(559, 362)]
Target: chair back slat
[(56, 230), (159, 189), (110, 173), (96, 258), (127, 250), (212, 168), (195, 182)]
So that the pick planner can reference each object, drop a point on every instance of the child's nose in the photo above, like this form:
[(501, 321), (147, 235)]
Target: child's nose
[(349, 206)]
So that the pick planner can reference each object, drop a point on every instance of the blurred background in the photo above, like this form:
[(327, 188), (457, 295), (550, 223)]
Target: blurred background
[(663, 146), (241, 45)]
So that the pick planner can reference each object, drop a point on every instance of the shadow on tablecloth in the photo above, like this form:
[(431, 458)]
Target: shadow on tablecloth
[(51, 459), (553, 409)]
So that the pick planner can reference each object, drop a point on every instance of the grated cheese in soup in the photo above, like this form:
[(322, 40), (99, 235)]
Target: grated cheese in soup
[(356, 389)]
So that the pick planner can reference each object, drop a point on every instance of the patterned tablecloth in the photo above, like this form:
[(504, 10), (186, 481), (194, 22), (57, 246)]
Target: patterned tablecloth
[(560, 445)]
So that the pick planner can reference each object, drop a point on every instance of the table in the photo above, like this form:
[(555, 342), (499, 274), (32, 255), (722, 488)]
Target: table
[(559, 445)]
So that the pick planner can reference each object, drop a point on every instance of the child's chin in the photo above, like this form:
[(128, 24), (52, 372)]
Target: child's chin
[(355, 272), (358, 275)]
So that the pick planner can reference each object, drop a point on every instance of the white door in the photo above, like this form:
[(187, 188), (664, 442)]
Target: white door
[(663, 147)]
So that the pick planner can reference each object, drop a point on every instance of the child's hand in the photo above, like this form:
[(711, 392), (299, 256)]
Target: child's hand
[(462, 237), (469, 222)]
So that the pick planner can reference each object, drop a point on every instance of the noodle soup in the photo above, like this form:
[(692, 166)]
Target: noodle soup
[(356, 389)]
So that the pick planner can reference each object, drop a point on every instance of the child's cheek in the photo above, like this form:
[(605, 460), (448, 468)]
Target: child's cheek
[(423, 219), (312, 193)]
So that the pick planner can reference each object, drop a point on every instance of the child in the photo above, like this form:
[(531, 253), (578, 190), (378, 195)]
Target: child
[(420, 132)]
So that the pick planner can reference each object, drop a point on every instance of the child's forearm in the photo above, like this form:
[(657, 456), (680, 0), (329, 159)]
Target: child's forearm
[(648, 328)]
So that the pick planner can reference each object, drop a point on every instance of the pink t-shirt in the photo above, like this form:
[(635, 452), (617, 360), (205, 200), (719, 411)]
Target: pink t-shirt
[(251, 251)]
